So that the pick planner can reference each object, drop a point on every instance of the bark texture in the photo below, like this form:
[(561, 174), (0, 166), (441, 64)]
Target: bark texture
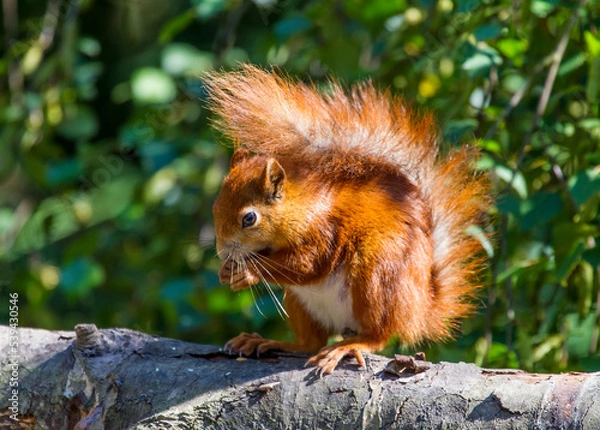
[(119, 379)]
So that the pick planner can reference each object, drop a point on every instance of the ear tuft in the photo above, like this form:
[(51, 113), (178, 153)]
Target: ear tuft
[(274, 178), (238, 156)]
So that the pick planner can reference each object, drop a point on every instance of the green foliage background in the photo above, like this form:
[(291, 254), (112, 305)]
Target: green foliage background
[(108, 164)]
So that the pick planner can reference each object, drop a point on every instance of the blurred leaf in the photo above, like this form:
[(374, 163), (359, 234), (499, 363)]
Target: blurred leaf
[(499, 355), (7, 161), (478, 233), (183, 59), (513, 270), (111, 199), (151, 86), (529, 252), (136, 134), (539, 209), (52, 220), (593, 85), (210, 280), (481, 60), (177, 290), (206, 9), (549, 344), (7, 224), (455, 130), (189, 318), (478, 99), (219, 299), (490, 145), (543, 8), (513, 82), (291, 26), (80, 123), (63, 171), (488, 31), (579, 333), (572, 64), (160, 185), (156, 155), (32, 58), (233, 56), (89, 46), (429, 85), (582, 276), (592, 256), (85, 245), (375, 9), (80, 276), (592, 42), (509, 204), (515, 179), (565, 234), (571, 259), (585, 185), (513, 49), (88, 73), (176, 25), (589, 124), (467, 5), (546, 293)]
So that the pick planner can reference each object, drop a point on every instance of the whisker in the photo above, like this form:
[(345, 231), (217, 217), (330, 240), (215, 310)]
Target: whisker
[(260, 274), (266, 262), (255, 302), (280, 309), (256, 261), (260, 292), (207, 245), (278, 305), (274, 264)]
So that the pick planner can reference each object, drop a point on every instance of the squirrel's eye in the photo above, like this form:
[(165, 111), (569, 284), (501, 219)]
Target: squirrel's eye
[(249, 219)]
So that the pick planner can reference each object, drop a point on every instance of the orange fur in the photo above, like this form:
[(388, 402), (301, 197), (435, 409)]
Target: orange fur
[(343, 199)]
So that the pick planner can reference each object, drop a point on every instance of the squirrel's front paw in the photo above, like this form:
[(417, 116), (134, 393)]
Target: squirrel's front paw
[(236, 275), (246, 344)]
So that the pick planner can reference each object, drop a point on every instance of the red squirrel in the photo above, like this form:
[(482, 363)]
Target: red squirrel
[(342, 198)]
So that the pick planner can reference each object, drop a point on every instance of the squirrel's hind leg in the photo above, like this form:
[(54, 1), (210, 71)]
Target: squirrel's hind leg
[(328, 358)]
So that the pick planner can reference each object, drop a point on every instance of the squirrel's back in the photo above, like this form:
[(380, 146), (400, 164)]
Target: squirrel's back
[(274, 116)]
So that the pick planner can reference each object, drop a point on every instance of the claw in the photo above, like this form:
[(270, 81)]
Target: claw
[(327, 359), (321, 372), (246, 344)]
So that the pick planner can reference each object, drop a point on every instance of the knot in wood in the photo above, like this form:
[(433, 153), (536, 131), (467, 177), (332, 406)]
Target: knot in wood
[(88, 336)]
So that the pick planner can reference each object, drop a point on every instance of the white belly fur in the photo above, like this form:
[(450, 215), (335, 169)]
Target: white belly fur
[(329, 302)]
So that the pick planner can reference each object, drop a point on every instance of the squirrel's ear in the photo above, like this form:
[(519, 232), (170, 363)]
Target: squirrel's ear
[(238, 156), (274, 177)]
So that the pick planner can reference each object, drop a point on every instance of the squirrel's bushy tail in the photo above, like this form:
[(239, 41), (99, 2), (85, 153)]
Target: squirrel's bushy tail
[(274, 115), (270, 114), (459, 198)]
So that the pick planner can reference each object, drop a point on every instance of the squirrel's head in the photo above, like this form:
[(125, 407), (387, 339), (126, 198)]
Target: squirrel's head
[(247, 212)]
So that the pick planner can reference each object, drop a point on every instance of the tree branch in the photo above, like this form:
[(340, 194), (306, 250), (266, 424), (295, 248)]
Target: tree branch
[(118, 378), (553, 60), (556, 59)]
